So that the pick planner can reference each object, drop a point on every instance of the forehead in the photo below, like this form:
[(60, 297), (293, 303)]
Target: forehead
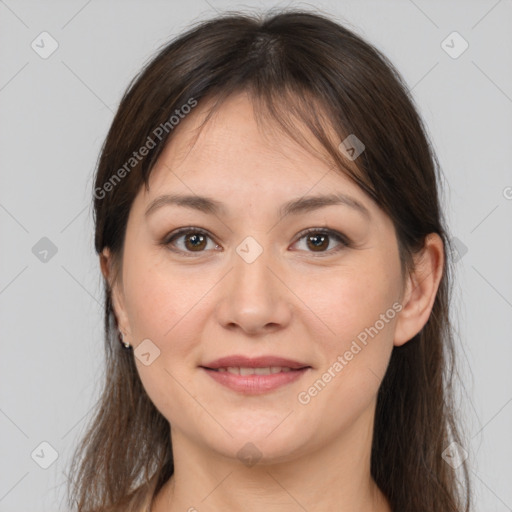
[(236, 150)]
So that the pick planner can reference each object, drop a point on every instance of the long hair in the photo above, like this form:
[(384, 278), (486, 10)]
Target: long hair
[(300, 69)]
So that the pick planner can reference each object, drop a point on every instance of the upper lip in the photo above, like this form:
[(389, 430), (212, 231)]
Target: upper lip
[(239, 361)]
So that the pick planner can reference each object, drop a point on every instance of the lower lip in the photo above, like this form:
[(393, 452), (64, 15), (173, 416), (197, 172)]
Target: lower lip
[(255, 384)]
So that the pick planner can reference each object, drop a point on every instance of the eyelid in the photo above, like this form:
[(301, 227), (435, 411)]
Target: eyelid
[(342, 239)]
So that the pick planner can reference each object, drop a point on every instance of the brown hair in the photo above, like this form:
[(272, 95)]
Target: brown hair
[(298, 67)]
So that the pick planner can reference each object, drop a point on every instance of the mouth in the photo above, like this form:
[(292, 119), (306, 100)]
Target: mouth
[(255, 376)]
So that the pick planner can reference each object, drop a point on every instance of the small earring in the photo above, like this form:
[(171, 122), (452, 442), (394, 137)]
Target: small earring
[(125, 344)]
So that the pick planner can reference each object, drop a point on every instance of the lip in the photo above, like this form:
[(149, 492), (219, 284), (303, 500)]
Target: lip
[(255, 384), (254, 362)]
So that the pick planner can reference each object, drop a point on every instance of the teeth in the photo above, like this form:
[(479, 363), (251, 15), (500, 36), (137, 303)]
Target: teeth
[(254, 371)]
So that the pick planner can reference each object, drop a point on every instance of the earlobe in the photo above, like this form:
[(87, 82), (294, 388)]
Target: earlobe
[(421, 290)]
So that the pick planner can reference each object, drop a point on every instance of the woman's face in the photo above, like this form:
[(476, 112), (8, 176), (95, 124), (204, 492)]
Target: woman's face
[(252, 283)]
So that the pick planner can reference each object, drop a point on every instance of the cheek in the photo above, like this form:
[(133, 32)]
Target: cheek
[(345, 302), (168, 308), (353, 332), (159, 298)]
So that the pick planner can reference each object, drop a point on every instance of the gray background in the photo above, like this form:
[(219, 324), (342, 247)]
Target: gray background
[(55, 113)]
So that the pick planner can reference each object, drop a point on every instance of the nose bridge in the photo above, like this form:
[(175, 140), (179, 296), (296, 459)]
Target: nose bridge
[(252, 267), (252, 272), (255, 299)]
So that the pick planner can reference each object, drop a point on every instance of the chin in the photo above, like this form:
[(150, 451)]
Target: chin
[(262, 446)]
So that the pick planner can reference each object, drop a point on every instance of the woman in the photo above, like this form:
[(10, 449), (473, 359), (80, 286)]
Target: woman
[(276, 281)]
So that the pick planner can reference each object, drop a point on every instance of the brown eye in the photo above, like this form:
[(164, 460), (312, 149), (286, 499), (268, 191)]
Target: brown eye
[(189, 240), (195, 241), (319, 241)]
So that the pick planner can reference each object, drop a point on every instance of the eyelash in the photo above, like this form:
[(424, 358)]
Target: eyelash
[(342, 239)]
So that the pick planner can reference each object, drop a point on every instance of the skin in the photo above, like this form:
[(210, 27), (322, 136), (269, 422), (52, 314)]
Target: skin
[(292, 301)]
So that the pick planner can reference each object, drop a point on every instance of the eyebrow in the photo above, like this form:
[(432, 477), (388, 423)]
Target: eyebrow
[(294, 207)]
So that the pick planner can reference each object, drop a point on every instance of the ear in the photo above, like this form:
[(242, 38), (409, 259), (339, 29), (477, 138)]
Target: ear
[(117, 293), (421, 289)]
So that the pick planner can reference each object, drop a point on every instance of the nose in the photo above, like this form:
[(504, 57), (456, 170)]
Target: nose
[(254, 299)]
